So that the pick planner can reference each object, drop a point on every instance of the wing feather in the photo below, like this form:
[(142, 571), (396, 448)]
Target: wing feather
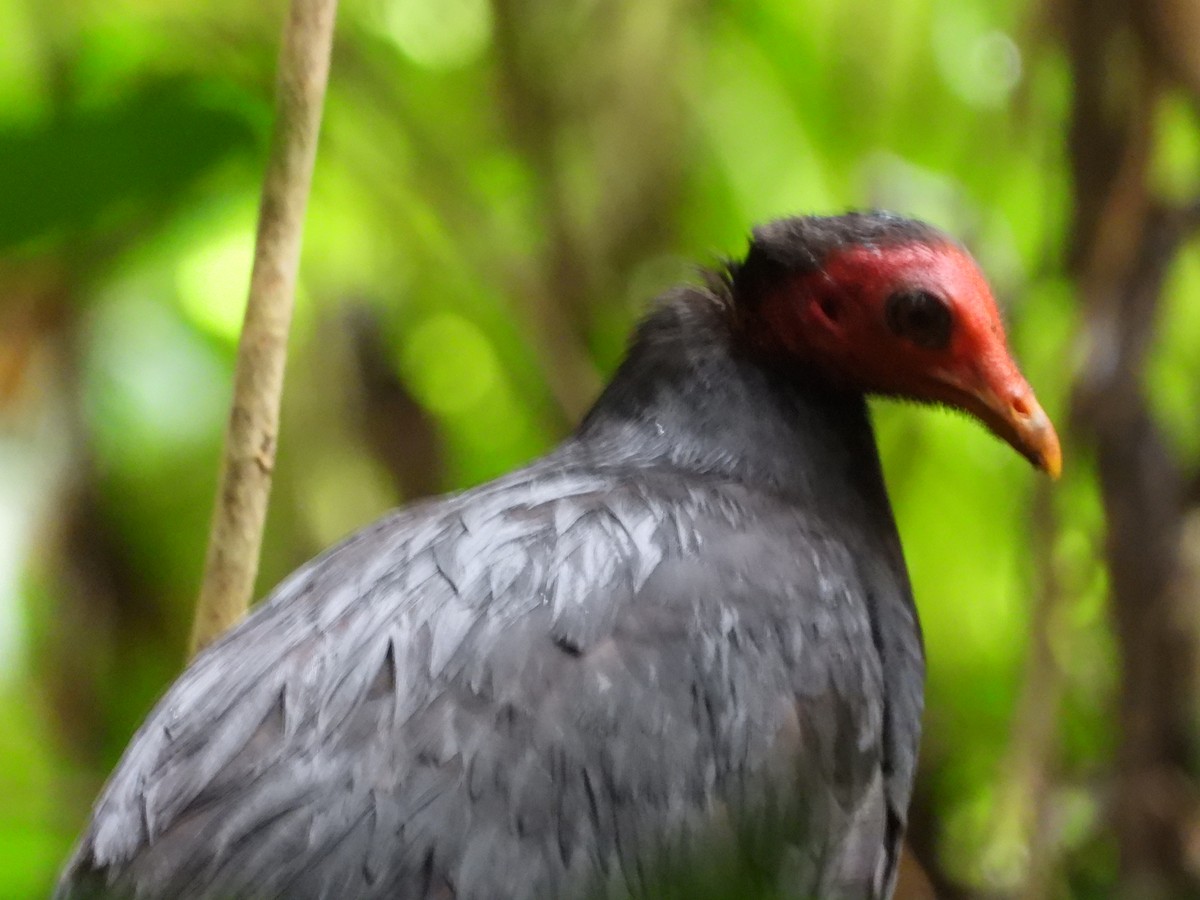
[(554, 682)]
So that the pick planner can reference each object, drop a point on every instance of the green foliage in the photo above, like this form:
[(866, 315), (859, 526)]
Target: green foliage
[(502, 189), (86, 170)]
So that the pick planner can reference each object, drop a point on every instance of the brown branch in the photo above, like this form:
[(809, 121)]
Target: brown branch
[(1033, 753), (1124, 244), (400, 433), (630, 119), (557, 295), (231, 564), (1142, 486), (1169, 29)]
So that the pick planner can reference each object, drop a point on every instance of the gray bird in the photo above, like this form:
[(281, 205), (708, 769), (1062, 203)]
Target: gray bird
[(677, 655)]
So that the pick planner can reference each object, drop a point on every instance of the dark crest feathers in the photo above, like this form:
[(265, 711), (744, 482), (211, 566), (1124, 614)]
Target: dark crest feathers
[(803, 243)]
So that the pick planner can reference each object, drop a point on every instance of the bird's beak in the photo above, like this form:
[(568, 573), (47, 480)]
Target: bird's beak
[(1005, 402), (1021, 421)]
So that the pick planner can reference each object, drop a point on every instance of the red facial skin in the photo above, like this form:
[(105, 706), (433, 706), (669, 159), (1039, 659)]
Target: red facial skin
[(835, 318)]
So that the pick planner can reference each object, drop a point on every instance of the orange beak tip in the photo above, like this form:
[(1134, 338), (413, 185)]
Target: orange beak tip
[(1052, 462), (1022, 424), (1041, 440), (1051, 455)]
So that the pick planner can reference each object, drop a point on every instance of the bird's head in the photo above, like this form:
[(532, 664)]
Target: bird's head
[(890, 306)]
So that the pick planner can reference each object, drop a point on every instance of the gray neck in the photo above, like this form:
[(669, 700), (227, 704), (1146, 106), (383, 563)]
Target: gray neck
[(689, 397)]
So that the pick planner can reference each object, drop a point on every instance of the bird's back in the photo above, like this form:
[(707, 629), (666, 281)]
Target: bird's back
[(576, 679)]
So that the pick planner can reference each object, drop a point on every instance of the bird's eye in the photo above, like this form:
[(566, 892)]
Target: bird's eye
[(920, 317)]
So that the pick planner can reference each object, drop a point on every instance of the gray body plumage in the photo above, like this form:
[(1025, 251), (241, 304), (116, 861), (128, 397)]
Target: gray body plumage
[(681, 645)]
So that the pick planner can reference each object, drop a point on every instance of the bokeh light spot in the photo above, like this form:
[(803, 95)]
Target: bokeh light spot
[(439, 34), (450, 364), (982, 65), (213, 283), (343, 490), (150, 381)]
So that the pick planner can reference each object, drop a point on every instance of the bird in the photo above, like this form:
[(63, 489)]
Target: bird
[(682, 643)]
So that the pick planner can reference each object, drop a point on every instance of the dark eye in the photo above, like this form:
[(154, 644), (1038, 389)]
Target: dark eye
[(920, 317)]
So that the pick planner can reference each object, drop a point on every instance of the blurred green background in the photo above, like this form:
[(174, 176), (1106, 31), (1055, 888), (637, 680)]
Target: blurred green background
[(502, 188)]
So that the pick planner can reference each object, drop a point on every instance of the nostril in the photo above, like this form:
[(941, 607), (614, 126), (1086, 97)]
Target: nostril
[(1021, 407)]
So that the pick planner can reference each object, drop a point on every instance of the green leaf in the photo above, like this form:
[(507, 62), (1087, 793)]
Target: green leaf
[(105, 168)]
